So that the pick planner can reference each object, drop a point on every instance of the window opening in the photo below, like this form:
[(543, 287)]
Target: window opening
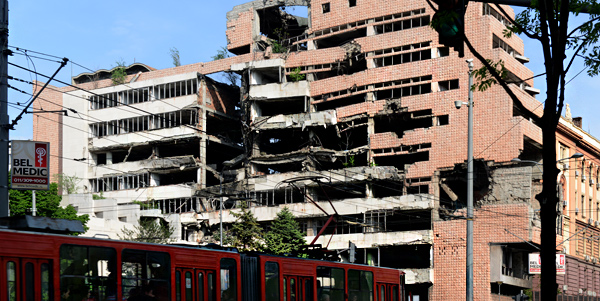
[(271, 281), (326, 7), (228, 279), (144, 272), (88, 272)]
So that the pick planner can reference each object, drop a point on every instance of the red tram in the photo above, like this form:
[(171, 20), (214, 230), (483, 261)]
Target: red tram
[(48, 267)]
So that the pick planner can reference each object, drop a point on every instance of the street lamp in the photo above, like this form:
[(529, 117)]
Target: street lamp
[(458, 104), (499, 284)]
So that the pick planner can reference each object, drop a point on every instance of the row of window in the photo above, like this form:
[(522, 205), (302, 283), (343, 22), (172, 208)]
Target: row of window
[(144, 123), (124, 181), (145, 94)]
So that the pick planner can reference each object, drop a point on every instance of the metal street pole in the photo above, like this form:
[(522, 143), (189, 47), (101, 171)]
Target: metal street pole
[(4, 121), (470, 189)]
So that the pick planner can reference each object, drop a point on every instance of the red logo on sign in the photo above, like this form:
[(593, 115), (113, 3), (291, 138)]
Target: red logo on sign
[(41, 155)]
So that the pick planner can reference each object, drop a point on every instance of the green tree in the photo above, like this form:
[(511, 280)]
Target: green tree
[(230, 76), (47, 203), (246, 234), (119, 74), (67, 183), (563, 40), (174, 52), (149, 230), (284, 236)]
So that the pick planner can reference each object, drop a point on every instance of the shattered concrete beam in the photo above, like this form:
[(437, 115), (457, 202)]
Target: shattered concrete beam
[(262, 4), (302, 120)]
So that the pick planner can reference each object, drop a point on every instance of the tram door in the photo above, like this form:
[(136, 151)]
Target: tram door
[(195, 285), (297, 288), (26, 279), (387, 292)]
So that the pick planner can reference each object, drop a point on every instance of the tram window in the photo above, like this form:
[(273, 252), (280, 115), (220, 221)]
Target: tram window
[(178, 286), (11, 281), (331, 281), (29, 282), (212, 287), (228, 279), (271, 281), (284, 289), (395, 293), (45, 281), (88, 272), (360, 285), (200, 286), (188, 287), (382, 293), (146, 272), (292, 289), (308, 289)]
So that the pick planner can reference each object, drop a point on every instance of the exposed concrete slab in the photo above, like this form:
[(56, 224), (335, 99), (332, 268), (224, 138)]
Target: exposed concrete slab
[(141, 137), (150, 164), (283, 90), (369, 240), (262, 4), (302, 120), (414, 276), (343, 207)]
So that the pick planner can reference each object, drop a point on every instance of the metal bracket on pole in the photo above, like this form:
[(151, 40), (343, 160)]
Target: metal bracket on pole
[(14, 122)]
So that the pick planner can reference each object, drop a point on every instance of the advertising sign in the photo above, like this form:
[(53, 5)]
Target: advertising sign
[(535, 263), (30, 167)]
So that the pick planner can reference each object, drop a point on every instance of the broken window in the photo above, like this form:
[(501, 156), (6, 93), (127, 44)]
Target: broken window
[(402, 54), (176, 205), (144, 123), (120, 182), (499, 43), (145, 94), (326, 7), (101, 159), (402, 25), (448, 85), (488, 10)]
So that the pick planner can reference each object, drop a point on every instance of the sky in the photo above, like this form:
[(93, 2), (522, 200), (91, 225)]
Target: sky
[(98, 34)]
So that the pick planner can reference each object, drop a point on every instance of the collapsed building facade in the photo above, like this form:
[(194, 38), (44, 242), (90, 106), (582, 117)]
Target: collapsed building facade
[(344, 115)]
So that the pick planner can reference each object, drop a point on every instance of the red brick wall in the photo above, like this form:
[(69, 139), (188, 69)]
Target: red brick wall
[(47, 126), (449, 249)]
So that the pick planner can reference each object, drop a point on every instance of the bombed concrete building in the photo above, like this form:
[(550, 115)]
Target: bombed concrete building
[(152, 140), (345, 114)]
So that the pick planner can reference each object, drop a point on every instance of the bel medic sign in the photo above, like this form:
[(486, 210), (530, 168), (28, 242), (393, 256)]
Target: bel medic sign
[(30, 166), (535, 263)]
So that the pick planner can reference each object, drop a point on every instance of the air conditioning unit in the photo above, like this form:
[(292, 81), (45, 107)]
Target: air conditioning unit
[(565, 203), (594, 259), (581, 291), (576, 210), (590, 221), (566, 166), (587, 257), (583, 178), (591, 182), (597, 223), (594, 294), (597, 185), (577, 173)]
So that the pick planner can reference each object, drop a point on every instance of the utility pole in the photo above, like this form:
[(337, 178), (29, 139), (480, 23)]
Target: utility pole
[(4, 121), (470, 189)]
